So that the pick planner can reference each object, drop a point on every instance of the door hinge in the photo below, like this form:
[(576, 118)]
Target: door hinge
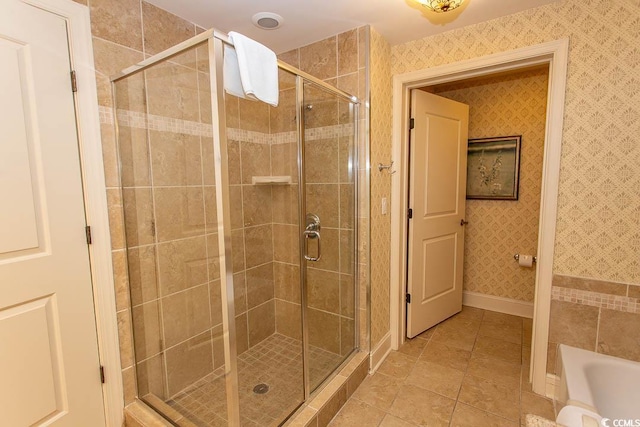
[(412, 123), (87, 232), (408, 298), (74, 81), (410, 213), (102, 374)]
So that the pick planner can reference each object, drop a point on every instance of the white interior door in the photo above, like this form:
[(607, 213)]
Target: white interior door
[(49, 366), (437, 192)]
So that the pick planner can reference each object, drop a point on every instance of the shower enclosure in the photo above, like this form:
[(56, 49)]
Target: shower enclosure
[(241, 236)]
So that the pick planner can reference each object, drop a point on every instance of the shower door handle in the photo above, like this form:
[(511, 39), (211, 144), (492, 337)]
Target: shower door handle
[(312, 232), (312, 235)]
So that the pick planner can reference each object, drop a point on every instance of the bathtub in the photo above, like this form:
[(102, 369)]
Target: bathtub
[(596, 389)]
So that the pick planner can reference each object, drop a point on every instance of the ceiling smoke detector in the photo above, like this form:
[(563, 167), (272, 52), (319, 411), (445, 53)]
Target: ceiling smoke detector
[(267, 20)]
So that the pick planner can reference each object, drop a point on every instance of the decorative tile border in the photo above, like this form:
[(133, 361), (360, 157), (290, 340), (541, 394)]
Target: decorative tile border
[(248, 136), (596, 299), (140, 120), (328, 132), (105, 114)]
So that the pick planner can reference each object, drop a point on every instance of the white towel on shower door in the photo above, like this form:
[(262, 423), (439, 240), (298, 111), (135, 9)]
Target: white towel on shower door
[(251, 70)]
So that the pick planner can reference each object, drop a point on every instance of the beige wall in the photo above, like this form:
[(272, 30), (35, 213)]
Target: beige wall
[(380, 185), (598, 221), (502, 106), (598, 226)]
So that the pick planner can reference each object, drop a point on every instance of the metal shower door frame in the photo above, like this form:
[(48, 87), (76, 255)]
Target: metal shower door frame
[(215, 42), (302, 210)]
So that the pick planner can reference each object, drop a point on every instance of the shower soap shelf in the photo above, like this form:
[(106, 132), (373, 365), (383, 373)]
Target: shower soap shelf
[(261, 180)]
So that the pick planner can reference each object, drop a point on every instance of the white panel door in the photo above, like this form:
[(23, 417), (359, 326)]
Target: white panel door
[(437, 183), (49, 366)]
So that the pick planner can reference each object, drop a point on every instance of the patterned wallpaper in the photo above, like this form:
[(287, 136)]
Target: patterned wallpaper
[(598, 228), (380, 185), (514, 104)]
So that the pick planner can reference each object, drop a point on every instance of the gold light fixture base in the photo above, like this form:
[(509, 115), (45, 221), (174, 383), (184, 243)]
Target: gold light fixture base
[(441, 6)]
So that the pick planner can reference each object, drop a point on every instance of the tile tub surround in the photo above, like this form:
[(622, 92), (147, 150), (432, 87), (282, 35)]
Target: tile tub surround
[(594, 315), (470, 370)]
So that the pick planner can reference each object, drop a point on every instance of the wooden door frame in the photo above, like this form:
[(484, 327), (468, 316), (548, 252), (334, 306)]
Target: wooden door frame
[(556, 55), (95, 199)]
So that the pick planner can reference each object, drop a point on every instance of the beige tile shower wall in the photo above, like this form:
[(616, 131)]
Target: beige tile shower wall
[(125, 32), (286, 266), (284, 155), (170, 227), (253, 231), (500, 106), (598, 227), (380, 52), (594, 315), (335, 60)]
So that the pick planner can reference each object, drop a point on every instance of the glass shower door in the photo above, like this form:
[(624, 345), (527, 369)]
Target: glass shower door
[(262, 147), (163, 117), (329, 236)]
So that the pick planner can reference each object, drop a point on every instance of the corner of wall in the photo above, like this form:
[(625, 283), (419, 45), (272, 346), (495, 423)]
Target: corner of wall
[(381, 110)]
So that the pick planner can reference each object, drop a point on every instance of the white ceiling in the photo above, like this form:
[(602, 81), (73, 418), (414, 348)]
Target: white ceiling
[(307, 21)]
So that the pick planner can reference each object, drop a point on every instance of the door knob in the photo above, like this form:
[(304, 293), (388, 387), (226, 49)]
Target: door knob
[(463, 222)]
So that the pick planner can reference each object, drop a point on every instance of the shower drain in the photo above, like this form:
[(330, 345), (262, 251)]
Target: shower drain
[(261, 388)]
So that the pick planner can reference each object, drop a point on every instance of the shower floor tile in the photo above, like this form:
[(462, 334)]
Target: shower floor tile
[(276, 362)]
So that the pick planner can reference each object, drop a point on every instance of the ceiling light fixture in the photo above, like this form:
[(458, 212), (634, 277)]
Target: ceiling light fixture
[(441, 5), (267, 20)]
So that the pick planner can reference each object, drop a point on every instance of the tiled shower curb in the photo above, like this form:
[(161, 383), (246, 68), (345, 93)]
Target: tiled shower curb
[(322, 407), (318, 412)]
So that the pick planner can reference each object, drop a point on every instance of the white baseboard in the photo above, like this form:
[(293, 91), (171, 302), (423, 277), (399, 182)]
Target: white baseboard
[(380, 353), (499, 304), (550, 386)]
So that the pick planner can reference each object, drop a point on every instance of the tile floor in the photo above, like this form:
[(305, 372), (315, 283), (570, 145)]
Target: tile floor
[(470, 370), (277, 362)]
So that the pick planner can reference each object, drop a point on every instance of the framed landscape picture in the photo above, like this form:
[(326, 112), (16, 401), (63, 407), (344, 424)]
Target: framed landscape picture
[(493, 168)]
